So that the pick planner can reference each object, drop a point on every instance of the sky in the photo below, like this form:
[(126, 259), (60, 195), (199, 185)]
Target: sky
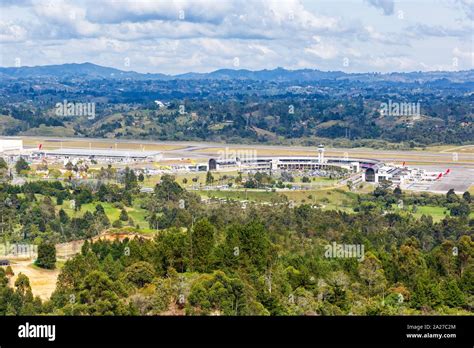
[(179, 36)]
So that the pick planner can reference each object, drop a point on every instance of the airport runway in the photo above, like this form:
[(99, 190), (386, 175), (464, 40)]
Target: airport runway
[(201, 149)]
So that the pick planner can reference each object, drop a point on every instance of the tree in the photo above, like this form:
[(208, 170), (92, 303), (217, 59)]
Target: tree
[(452, 295), (117, 224), (467, 196), (172, 250), (202, 243), (372, 273), (46, 255), (163, 294), (451, 196), (123, 215), (100, 216), (54, 173), (23, 296), (98, 296), (209, 178), (21, 165), (130, 180), (9, 271), (397, 191), (73, 273), (112, 267), (217, 292), (426, 294), (63, 217), (4, 175), (248, 246), (338, 289), (409, 262), (466, 253), (460, 209), (141, 177), (22, 301), (68, 175), (446, 261), (6, 294), (22, 284), (140, 273), (349, 185), (3, 163), (168, 189), (69, 166)]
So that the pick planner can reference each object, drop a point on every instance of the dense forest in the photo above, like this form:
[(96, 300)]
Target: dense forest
[(224, 259), (342, 109)]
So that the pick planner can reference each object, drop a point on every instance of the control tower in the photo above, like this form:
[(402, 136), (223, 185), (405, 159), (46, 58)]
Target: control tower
[(320, 153)]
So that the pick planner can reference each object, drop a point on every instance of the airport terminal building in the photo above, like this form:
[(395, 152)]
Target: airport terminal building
[(107, 155)]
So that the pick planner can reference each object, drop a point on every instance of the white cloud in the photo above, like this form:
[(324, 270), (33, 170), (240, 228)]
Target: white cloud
[(70, 18), (399, 63), (468, 7), (423, 30), (387, 6), (322, 50), (10, 32), (465, 55), (210, 33)]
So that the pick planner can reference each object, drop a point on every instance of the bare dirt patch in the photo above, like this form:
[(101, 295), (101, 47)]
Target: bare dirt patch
[(42, 281)]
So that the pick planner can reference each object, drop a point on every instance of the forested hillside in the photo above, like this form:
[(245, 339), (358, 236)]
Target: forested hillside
[(274, 106), (227, 260)]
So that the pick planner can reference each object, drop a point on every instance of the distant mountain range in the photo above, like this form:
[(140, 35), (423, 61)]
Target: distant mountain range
[(84, 70), (93, 71)]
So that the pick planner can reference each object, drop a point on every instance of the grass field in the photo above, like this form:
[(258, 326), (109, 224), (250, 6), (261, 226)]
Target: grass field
[(467, 149), (437, 213), (221, 178), (136, 213), (332, 199), (240, 195), (338, 199)]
